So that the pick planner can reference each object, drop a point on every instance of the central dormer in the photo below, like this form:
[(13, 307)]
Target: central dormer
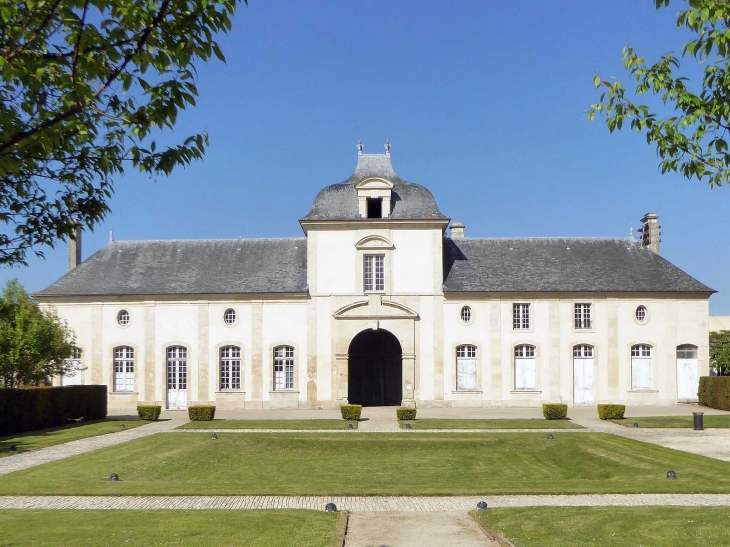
[(374, 197)]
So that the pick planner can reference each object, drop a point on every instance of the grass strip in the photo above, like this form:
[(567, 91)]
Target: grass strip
[(174, 528), (434, 423), (270, 424), (610, 526), (710, 421), (374, 464), (42, 438)]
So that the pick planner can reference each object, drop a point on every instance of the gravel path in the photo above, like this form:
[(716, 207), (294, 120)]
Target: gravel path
[(359, 503)]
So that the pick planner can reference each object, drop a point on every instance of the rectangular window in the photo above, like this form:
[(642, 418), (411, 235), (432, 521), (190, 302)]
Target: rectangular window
[(520, 316), (641, 367), (374, 272), (230, 368), (123, 369), (583, 316), (375, 207), (525, 368), (283, 368), (466, 368)]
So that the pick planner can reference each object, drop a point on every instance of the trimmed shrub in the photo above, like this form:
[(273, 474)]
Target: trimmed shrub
[(201, 413), (28, 409), (714, 392), (611, 412), (149, 412), (351, 412), (555, 411), (405, 413)]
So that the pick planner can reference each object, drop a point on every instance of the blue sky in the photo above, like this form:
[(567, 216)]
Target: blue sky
[(483, 103)]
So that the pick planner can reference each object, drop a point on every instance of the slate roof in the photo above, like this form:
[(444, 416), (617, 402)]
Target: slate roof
[(409, 201), (560, 265), (204, 266)]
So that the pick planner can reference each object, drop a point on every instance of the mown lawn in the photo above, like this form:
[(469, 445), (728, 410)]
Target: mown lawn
[(374, 464), (270, 424), (610, 526), (710, 421), (33, 440), (433, 423), (171, 528)]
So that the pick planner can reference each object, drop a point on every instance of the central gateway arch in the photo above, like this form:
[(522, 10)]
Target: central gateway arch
[(375, 369)]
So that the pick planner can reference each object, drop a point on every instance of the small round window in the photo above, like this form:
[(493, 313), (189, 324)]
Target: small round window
[(466, 314), (641, 314), (229, 317), (123, 317)]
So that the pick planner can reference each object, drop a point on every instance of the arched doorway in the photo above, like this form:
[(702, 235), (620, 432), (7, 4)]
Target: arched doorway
[(375, 370)]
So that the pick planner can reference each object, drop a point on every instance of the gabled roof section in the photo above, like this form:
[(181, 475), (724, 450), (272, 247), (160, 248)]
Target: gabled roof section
[(560, 265), (409, 201), (189, 267)]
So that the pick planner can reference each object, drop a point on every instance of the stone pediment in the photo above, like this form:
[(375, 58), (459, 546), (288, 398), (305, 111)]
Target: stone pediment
[(375, 307), (374, 242)]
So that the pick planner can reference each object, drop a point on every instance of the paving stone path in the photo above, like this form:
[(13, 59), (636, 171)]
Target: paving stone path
[(359, 503), (26, 460)]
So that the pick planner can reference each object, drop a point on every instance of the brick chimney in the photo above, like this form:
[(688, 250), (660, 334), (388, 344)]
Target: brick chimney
[(650, 232), (74, 249), (457, 230)]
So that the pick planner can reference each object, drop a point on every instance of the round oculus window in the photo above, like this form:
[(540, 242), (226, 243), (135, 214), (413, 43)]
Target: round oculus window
[(229, 317), (466, 314), (123, 318), (641, 314)]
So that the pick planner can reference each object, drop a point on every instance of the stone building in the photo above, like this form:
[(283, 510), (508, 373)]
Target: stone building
[(376, 305)]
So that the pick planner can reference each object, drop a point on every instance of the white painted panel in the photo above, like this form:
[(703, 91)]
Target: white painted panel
[(466, 374), (641, 372), (336, 262), (72, 378), (525, 374), (413, 261), (588, 380), (687, 379), (578, 390)]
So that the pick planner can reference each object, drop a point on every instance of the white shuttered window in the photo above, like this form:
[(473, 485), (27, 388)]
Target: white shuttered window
[(641, 366), (466, 368)]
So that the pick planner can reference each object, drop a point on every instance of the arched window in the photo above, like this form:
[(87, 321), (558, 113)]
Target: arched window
[(229, 316), (230, 366), (123, 368), (466, 314), (525, 367), (283, 368), (687, 351), (123, 318), (72, 376), (641, 366), (466, 367)]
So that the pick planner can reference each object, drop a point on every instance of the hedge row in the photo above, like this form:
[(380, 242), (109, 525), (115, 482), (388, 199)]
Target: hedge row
[(201, 413), (404, 413), (32, 408), (351, 412), (555, 411), (149, 412), (611, 412), (714, 392)]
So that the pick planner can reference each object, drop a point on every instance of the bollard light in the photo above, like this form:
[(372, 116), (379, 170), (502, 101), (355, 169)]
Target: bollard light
[(113, 477), (636, 425), (550, 437), (330, 508), (349, 426), (671, 474), (482, 506), (215, 436), (13, 448), (408, 426)]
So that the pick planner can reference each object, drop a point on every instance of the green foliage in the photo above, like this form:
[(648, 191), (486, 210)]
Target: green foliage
[(555, 411), (201, 413), (611, 412), (351, 412), (720, 352), (29, 409), (34, 343), (714, 392), (149, 412), (84, 85), (693, 141), (405, 413)]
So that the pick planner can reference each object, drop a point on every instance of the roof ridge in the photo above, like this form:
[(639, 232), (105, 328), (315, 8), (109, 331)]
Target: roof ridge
[(206, 240), (552, 238)]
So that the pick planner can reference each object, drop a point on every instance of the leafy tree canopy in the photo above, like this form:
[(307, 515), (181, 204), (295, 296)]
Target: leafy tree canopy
[(694, 141), (34, 343), (720, 352), (83, 84)]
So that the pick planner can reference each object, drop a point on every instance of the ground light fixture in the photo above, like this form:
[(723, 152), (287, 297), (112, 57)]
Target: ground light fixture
[(113, 477), (671, 474), (550, 437), (330, 508), (482, 506), (349, 426), (215, 436), (13, 448), (121, 426), (636, 425), (408, 426)]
